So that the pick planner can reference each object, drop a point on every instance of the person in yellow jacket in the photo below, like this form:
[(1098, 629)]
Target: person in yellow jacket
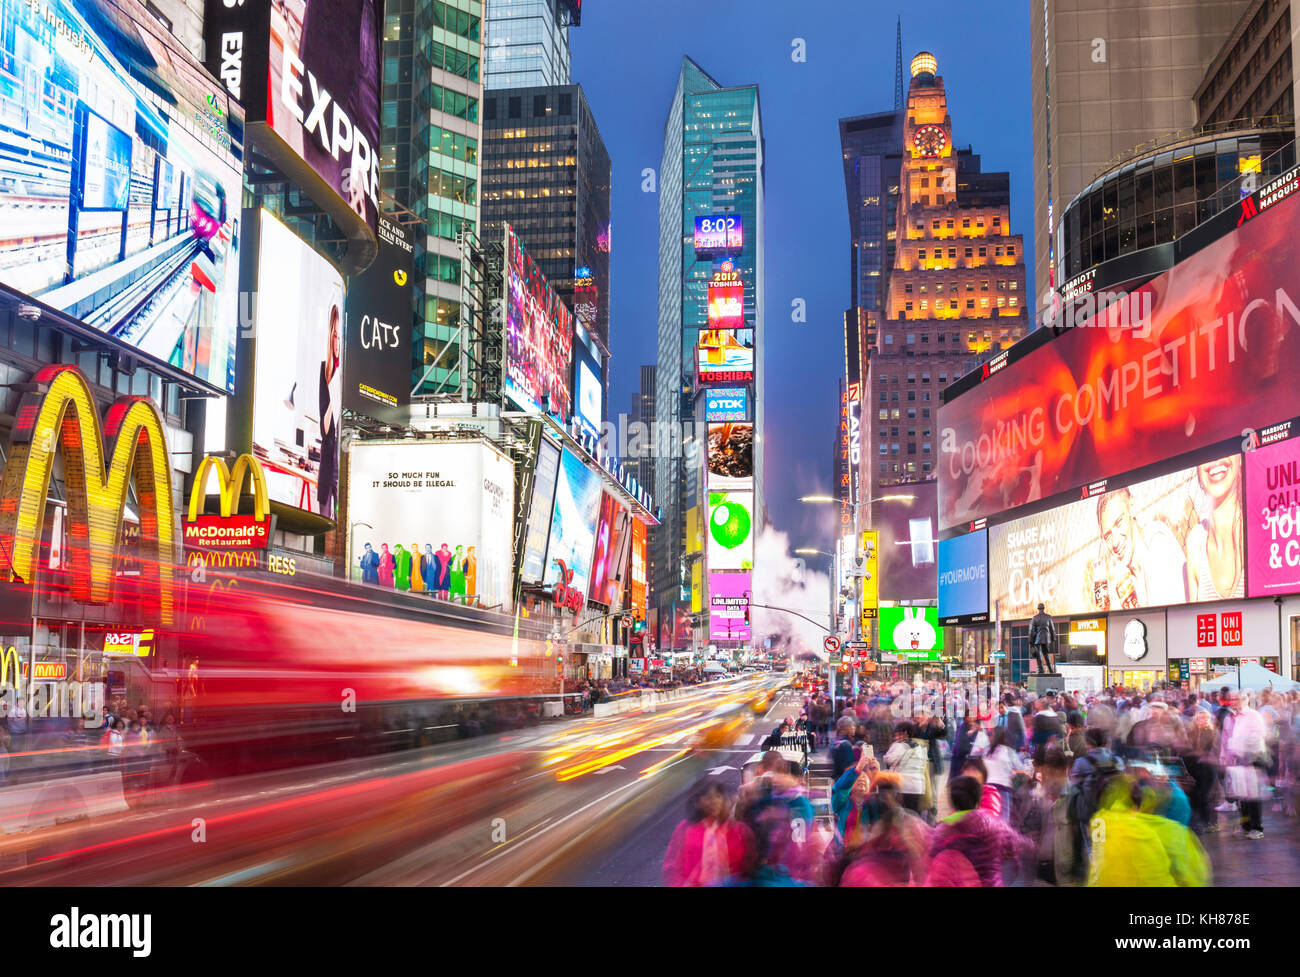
[(1131, 846)]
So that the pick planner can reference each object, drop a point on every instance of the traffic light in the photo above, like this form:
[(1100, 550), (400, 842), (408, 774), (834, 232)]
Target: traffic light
[(638, 626)]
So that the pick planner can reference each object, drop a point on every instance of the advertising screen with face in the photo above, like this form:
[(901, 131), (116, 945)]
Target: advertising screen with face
[(1189, 360), (439, 519), (730, 531), (573, 524), (964, 577), (1175, 539), (731, 456), (613, 549), (119, 182), (539, 337), (298, 387), (729, 597), (1273, 518), (913, 631)]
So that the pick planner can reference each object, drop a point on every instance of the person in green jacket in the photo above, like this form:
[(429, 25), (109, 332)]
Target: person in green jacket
[(1132, 847)]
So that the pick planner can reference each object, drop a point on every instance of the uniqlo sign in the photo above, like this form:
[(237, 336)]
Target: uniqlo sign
[(1207, 630), (1231, 627)]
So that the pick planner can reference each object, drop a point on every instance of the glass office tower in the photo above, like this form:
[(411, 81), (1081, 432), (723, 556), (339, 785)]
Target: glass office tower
[(528, 42), (712, 167), (429, 162)]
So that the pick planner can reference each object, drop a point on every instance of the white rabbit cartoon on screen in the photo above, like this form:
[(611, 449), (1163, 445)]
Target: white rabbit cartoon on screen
[(914, 631)]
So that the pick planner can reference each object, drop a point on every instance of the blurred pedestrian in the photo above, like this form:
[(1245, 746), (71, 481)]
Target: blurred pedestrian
[(707, 847)]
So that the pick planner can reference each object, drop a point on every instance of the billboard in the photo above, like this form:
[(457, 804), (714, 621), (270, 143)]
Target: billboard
[(719, 234), (612, 552), (540, 511), (725, 356), (729, 597), (726, 298), (640, 571), (869, 568), (586, 379), (726, 404), (911, 631), (1273, 518), (731, 531), (539, 337), (964, 578), (298, 383), (309, 70), (377, 347), (908, 543), (440, 515), (1174, 539), (1187, 361), (573, 524), (119, 181), (731, 456)]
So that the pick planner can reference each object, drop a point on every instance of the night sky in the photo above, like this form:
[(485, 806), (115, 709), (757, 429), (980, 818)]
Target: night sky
[(626, 56)]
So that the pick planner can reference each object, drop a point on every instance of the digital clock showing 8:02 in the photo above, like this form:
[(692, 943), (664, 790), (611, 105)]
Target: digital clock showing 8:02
[(717, 234)]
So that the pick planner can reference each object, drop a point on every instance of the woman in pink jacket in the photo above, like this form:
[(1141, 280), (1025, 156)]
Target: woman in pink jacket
[(708, 846)]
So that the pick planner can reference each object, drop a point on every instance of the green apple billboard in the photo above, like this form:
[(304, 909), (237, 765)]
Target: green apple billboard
[(730, 531)]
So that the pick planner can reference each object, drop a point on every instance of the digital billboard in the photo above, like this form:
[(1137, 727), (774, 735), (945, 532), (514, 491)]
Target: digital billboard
[(541, 511), (639, 569), (908, 542), (1273, 518), (964, 578), (433, 518), (726, 298), (573, 524), (729, 597), (539, 337), (719, 234), (1209, 346), (612, 552), (119, 181), (731, 531), (298, 380), (726, 404), (725, 356), (1174, 539), (911, 631), (377, 348), (308, 70), (731, 456), (590, 393)]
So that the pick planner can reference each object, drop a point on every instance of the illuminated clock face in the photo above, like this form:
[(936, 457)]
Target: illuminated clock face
[(929, 140)]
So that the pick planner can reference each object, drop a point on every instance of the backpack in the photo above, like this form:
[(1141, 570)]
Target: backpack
[(1086, 798)]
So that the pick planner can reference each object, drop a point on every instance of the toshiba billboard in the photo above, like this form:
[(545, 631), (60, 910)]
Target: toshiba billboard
[(1189, 360)]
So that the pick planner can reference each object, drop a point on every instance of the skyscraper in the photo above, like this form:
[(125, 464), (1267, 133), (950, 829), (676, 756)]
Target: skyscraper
[(711, 306), (956, 291), (528, 42), (546, 172), (1104, 82), (429, 163)]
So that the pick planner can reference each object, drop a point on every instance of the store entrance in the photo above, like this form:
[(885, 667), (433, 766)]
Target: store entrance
[(1140, 679)]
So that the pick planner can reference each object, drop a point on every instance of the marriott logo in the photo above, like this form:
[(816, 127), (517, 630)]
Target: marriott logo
[(75, 931)]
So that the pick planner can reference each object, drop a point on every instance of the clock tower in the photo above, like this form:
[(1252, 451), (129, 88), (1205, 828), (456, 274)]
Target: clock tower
[(956, 291)]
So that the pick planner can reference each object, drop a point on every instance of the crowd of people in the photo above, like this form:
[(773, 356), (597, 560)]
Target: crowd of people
[(946, 785)]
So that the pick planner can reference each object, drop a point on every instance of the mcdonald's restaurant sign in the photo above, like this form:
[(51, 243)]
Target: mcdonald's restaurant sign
[(59, 416), (229, 531)]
